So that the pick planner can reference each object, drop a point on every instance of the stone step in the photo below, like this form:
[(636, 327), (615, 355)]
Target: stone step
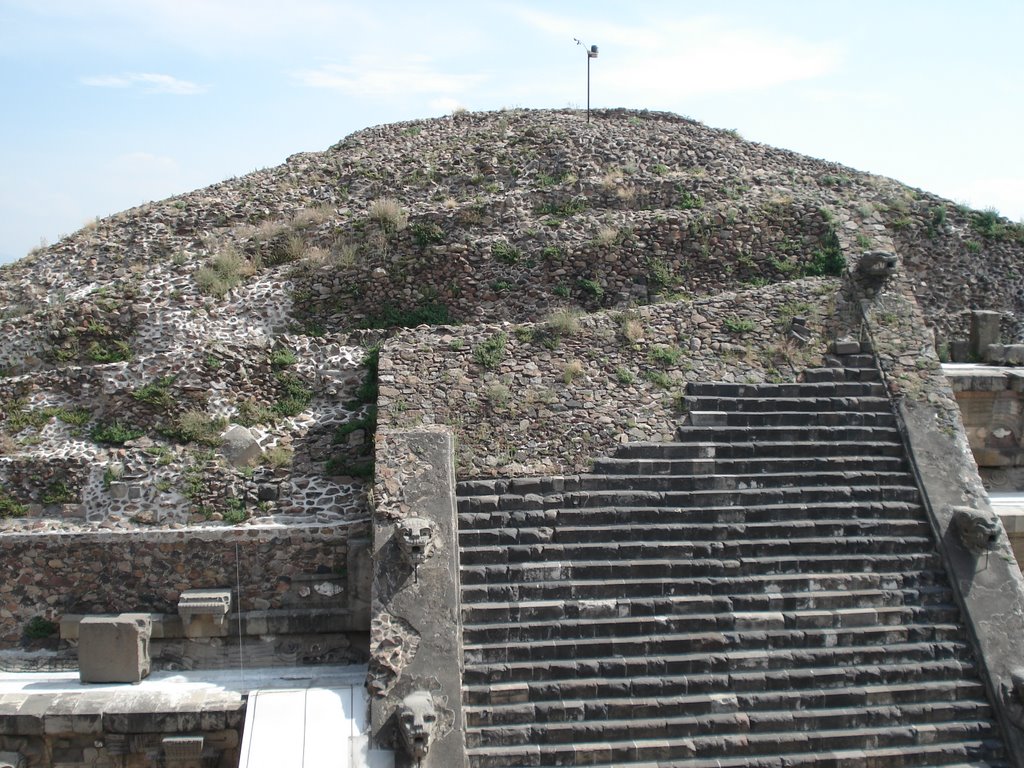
[(719, 481), (765, 419), (544, 611), (836, 374), (661, 568), (564, 532), (716, 448), (703, 584), (791, 432), (590, 627), (856, 361), (624, 467), (812, 682), (723, 661), (941, 756), (635, 551), (582, 722), (485, 516), (867, 492), (758, 635), (824, 389), (767, 403), (890, 747)]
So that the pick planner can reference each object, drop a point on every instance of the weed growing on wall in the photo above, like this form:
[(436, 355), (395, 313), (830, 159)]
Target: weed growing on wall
[(490, 352)]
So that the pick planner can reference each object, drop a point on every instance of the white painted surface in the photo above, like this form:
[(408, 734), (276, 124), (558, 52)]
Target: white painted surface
[(309, 728)]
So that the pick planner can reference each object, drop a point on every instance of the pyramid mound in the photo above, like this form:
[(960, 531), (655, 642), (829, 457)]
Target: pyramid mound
[(131, 347)]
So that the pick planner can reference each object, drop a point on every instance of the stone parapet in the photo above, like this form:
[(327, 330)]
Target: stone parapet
[(415, 678)]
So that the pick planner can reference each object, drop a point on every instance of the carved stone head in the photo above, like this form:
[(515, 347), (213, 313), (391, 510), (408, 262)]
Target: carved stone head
[(978, 529), (417, 717), (416, 539), (877, 264)]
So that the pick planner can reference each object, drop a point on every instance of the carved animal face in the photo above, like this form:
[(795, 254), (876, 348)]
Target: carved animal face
[(878, 264), (979, 529), (416, 539), (417, 717)]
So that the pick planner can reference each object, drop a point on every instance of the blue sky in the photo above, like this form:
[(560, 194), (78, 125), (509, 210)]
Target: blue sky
[(112, 103)]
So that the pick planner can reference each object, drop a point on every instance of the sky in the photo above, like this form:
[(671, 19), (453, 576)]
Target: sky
[(108, 104)]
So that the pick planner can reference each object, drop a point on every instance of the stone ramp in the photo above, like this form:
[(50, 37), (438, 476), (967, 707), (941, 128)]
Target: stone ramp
[(309, 728), (763, 592)]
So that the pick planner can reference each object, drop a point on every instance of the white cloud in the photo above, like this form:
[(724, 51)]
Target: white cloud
[(444, 105), (149, 82), (367, 77), (697, 56)]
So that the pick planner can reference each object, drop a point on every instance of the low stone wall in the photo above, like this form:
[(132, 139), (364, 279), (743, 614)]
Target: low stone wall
[(992, 406), (49, 575), (545, 398)]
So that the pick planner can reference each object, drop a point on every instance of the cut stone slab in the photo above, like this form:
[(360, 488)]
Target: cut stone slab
[(114, 649), (984, 331), (203, 612)]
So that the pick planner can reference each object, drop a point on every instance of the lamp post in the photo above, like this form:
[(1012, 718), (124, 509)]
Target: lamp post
[(591, 54)]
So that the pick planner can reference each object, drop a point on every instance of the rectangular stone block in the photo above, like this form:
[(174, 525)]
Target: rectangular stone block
[(203, 612), (114, 649)]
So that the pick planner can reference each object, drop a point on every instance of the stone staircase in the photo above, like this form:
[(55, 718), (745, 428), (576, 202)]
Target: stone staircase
[(763, 592)]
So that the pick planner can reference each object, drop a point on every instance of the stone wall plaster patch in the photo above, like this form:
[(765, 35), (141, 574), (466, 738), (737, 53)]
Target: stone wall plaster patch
[(393, 644)]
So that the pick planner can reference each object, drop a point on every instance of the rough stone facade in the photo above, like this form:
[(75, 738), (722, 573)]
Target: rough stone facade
[(565, 391), (51, 575)]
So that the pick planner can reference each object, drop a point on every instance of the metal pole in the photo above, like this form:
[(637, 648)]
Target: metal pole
[(588, 85)]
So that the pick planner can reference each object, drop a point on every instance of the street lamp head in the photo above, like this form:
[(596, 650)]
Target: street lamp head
[(592, 53)]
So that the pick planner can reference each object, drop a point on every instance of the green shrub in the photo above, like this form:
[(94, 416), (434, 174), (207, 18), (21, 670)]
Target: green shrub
[(367, 423), (293, 395), (58, 492), (109, 351), (248, 413), (660, 378), (39, 628), (664, 355), (591, 288), (568, 208), (829, 259), (490, 352), (11, 507), (659, 273), (624, 375), (197, 426), (75, 417), (426, 233), (225, 271), (563, 322), (738, 325), (505, 252), (282, 358), (367, 391), (156, 393), (114, 433), (689, 200)]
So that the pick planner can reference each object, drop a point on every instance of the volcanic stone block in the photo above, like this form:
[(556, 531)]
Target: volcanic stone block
[(114, 649), (203, 612), (984, 331)]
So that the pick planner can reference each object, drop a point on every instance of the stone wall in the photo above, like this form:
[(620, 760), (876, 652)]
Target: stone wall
[(111, 572), (551, 396)]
